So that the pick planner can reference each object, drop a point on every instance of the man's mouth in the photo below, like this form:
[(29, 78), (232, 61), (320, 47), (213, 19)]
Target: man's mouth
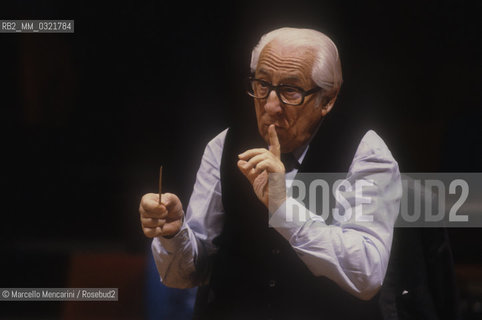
[(277, 127)]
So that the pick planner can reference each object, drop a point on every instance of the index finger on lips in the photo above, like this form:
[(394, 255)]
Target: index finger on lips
[(274, 145)]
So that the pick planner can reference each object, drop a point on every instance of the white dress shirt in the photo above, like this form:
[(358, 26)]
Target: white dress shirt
[(352, 254)]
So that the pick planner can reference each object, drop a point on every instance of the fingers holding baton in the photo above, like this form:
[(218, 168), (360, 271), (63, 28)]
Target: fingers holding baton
[(161, 215)]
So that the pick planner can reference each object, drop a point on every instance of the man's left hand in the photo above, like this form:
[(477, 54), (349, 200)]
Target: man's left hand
[(257, 164)]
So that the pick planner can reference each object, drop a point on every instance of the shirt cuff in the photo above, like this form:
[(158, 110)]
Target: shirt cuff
[(173, 244), (290, 218)]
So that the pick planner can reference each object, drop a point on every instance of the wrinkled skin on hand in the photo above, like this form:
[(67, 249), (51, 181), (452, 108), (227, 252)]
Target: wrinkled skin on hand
[(265, 171)]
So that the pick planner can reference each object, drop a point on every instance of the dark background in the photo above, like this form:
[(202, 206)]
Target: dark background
[(87, 118)]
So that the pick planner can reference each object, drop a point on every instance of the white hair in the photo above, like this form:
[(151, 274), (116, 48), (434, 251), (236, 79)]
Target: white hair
[(326, 71)]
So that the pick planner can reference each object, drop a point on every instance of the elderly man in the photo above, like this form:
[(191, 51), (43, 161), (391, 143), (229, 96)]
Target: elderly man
[(299, 269)]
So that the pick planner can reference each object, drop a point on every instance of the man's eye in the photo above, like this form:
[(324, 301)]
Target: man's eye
[(290, 91), (264, 84)]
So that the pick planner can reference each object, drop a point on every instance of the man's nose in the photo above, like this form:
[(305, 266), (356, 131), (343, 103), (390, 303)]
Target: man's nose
[(273, 105)]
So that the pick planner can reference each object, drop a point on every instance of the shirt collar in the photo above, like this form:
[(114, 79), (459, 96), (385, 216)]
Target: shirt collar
[(300, 152)]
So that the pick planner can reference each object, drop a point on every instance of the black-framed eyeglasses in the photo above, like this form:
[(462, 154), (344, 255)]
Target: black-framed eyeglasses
[(290, 95)]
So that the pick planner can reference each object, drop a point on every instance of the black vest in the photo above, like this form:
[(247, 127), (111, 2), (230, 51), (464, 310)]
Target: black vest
[(256, 274)]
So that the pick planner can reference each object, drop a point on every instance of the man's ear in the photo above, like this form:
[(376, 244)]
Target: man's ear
[(328, 101)]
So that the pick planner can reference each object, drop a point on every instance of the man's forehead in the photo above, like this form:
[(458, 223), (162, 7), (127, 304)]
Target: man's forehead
[(287, 57)]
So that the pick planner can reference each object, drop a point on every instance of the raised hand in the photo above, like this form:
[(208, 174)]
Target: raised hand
[(163, 219), (257, 164)]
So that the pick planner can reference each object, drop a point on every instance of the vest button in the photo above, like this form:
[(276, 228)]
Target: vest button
[(275, 251), (272, 283)]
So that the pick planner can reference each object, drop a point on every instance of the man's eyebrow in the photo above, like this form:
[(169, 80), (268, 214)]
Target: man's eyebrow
[(291, 79), (288, 80), (263, 72)]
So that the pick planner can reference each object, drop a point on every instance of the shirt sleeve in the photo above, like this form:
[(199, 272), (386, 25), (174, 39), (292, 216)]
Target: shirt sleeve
[(182, 260), (353, 252)]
